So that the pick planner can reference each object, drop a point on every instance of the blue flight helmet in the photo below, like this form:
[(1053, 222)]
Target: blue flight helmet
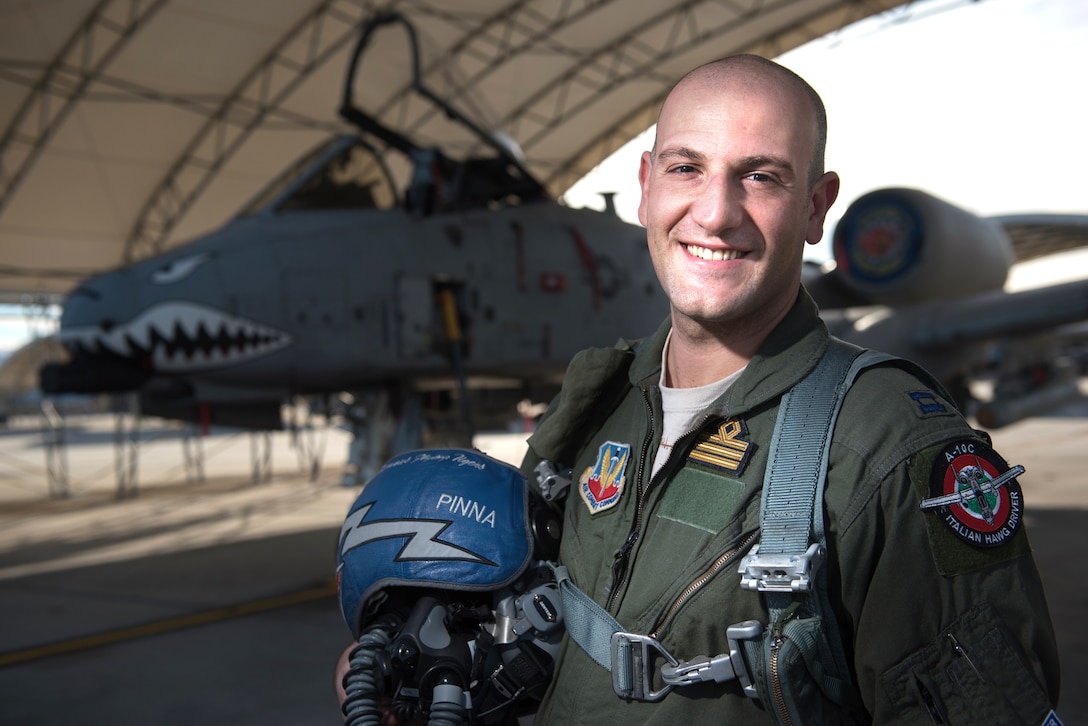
[(443, 581)]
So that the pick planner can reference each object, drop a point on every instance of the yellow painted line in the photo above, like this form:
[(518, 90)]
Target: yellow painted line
[(110, 637)]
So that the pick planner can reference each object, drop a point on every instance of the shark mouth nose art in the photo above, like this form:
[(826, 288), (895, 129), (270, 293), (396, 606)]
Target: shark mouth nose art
[(176, 337)]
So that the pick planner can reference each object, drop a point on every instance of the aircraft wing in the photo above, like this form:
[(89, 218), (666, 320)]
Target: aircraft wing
[(1038, 235), (964, 496), (1028, 345), (1000, 314)]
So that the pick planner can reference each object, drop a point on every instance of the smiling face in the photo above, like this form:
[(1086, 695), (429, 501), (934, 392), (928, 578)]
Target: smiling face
[(727, 198)]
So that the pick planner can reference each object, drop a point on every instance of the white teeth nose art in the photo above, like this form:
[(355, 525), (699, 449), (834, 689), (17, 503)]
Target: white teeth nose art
[(177, 337)]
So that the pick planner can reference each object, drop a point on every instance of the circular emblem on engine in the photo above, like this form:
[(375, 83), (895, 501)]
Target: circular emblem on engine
[(975, 493), (878, 239)]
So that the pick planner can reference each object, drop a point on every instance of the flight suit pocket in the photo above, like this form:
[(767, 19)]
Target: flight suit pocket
[(969, 674), (790, 672)]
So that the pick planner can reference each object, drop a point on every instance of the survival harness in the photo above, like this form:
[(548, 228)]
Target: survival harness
[(785, 566)]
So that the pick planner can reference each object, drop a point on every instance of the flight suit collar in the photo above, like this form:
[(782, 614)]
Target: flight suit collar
[(790, 351)]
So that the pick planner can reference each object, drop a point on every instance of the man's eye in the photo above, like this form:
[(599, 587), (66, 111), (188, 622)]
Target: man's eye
[(764, 179), (682, 169)]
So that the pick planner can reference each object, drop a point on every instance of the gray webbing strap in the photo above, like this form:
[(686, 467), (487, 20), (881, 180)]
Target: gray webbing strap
[(797, 463), (632, 658), (588, 624), (792, 514)]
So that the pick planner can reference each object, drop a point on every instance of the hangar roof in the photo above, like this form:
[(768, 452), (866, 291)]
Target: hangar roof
[(129, 126)]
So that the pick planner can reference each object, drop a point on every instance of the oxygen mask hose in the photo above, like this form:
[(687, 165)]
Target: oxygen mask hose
[(447, 706), (366, 672)]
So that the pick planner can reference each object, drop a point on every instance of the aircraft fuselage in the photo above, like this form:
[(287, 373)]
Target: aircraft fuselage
[(316, 301)]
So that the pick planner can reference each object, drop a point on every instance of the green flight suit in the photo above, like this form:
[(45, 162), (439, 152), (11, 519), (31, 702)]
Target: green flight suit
[(938, 628)]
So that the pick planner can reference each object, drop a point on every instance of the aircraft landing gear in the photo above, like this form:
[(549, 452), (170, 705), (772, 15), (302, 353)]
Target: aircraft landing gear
[(381, 430), (372, 429)]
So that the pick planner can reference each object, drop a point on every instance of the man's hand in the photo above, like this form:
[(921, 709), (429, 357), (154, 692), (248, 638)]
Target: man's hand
[(342, 667)]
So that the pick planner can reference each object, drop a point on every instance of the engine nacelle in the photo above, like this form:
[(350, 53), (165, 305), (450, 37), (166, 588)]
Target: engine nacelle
[(900, 246)]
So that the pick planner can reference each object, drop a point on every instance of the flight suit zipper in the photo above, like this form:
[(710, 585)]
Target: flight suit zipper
[(777, 639), (776, 681), (621, 560), (697, 584)]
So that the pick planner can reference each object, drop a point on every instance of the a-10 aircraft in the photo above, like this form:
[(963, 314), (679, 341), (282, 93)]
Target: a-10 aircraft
[(472, 280)]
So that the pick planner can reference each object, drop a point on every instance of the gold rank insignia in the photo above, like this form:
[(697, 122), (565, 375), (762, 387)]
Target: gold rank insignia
[(727, 448)]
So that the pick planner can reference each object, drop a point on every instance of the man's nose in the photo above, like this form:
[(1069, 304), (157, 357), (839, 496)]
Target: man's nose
[(719, 205)]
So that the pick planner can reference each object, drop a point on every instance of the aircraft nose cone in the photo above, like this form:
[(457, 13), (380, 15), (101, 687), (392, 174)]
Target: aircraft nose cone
[(93, 313)]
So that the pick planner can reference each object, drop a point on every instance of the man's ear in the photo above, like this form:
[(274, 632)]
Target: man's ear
[(824, 193), (644, 168)]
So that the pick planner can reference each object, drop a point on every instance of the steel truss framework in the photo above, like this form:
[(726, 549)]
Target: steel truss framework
[(97, 41), (516, 32)]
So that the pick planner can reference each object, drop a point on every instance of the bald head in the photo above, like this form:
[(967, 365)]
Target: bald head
[(753, 73)]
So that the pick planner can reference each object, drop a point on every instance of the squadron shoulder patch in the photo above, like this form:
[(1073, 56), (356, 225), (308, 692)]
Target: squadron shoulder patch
[(971, 505), (602, 484), (975, 493)]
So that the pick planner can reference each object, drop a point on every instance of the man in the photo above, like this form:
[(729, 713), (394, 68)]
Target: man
[(941, 619)]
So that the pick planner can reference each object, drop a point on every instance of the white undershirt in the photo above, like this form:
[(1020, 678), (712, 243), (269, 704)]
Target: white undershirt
[(683, 407)]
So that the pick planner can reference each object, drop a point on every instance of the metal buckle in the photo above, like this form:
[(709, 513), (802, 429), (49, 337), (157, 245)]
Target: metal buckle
[(747, 630), (552, 481), (700, 669), (633, 669), (720, 668), (780, 573)]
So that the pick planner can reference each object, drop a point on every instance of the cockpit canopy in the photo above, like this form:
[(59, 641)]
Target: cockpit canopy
[(342, 173), (346, 173)]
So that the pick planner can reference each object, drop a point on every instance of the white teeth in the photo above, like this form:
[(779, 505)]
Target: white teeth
[(115, 341), (704, 253), (140, 335), (166, 319), (189, 319), (86, 337)]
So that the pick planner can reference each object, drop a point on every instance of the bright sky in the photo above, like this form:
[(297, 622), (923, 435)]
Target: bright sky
[(981, 103), (17, 327)]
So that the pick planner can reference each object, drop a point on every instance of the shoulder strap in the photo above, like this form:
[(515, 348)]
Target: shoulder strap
[(793, 540)]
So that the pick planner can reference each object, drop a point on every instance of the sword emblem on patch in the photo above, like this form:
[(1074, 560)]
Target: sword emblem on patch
[(727, 448)]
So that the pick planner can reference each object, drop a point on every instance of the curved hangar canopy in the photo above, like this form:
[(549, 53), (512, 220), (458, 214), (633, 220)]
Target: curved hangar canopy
[(130, 126)]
